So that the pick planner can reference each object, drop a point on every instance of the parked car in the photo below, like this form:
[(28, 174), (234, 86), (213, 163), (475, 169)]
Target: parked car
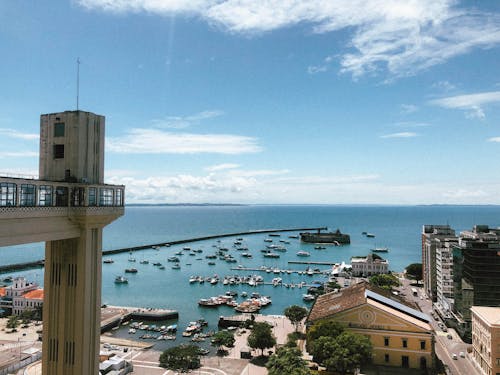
[(454, 356), (462, 354), (449, 336)]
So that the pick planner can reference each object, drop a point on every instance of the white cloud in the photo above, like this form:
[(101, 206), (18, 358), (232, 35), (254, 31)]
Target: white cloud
[(400, 135), (221, 167), (408, 108), (180, 122), (471, 103), (18, 154), (154, 141), (11, 133), (317, 69), (444, 85), (494, 139), (462, 193), (402, 37)]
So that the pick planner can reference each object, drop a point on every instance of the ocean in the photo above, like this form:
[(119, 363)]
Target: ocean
[(395, 227)]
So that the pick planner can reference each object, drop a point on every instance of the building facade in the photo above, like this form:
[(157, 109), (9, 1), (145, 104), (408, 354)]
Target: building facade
[(486, 339), (400, 336), (444, 276), (369, 265), (21, 296), (430, 234)]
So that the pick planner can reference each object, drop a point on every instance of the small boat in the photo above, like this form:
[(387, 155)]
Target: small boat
[(211, 263), (120, 280), (173, 259), (157, 264), (162, 267), (274, 235), (108, 261), (131, 259), (131, 270), (131, 331), (270, 254), (293, 236), (144, 261), (370, 235), (303, 254), (176, 266), (172, 328), (308, 297), (268, 240), (364, 233), (319, 247), (380, 250)]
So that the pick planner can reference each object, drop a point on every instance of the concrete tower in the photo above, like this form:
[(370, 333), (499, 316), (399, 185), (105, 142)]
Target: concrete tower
[(67, 208)]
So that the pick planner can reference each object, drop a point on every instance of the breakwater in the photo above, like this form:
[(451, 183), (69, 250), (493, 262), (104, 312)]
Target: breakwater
[(40, 263)]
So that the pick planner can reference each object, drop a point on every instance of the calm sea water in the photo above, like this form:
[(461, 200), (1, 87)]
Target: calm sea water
[(397, 228)]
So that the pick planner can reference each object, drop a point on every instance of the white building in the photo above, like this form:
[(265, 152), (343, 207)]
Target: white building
[(369, 265), (21, 296), (444, 275)]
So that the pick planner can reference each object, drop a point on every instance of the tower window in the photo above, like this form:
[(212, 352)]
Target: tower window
[(58, 151), (59, 129)]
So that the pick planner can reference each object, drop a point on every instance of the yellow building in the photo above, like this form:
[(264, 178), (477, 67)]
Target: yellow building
[(486, 338), (401, 336)]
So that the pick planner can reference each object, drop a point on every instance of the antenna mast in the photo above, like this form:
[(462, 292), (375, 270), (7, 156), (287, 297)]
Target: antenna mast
[(77, 82)]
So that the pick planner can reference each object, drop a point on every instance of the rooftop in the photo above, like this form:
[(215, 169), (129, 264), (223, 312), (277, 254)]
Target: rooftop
[(34, 294), (490, 315)]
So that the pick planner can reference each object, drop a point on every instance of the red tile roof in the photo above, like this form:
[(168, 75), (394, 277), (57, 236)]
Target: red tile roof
[(34, 294), (2, 292)]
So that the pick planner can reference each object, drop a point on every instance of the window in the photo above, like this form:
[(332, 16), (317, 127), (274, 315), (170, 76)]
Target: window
[(405, 343), (386, 357), (8, 192), (61, 196), (78, 197), (58, 151), (119, 197), (386, 341), (92, 197), (105, 197), (59, 129), (422, 344), (27, 195), (45, 195)]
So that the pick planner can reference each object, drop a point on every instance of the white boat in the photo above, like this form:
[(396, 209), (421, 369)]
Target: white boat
[(108, 261), (380, 250), (120, 280), (308, 297), (303, 254)]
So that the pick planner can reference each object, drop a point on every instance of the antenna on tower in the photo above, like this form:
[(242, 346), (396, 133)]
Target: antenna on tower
[(77, 82)]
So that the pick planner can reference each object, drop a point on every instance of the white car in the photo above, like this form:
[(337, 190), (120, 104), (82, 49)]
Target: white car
[(454, 356), (462, 354)]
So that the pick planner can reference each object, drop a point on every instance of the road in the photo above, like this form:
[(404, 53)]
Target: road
[(447, 343)]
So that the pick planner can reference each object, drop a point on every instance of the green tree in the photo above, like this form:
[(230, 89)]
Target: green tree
[(343, 353), (327, 328), (414, 271), (181, 358), (295, 314), (261, 337), (287, 361), (223, 339), (12, 322), (384, 281)]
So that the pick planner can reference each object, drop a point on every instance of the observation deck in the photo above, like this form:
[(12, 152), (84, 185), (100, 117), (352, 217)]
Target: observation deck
[(27, 203)]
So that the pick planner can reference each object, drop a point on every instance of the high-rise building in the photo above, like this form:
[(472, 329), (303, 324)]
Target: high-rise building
[(430, 235), (444, 276), (67, 208)]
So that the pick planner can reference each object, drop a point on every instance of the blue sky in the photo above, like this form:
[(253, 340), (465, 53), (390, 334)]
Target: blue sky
[(240, 101)]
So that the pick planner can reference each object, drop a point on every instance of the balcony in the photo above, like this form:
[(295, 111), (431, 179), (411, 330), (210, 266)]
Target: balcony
[(54, 209)]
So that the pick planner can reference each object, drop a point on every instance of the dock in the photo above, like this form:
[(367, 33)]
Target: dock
[(317, 263), (113, 316), (41, 263)]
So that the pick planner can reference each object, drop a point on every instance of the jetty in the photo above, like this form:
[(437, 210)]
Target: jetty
[(113, 316), (41, 263)]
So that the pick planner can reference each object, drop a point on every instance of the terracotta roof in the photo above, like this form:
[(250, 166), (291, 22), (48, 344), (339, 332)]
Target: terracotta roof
[(2, 292), (355, 295), (332, 303), (34, 294)]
